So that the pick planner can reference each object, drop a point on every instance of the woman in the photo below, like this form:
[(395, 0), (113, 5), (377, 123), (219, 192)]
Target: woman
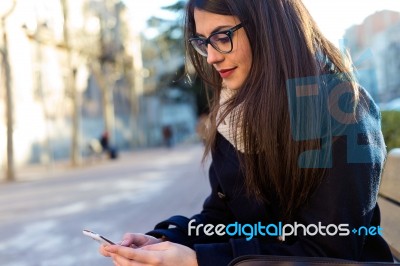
[(294, 141)]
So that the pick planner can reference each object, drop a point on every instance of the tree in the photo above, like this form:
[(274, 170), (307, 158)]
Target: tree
[(171, 43), (110, 60), (71, 87), (10, 175)]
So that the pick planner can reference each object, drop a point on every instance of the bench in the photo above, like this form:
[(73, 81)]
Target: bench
[(95, 150), (389, 201)]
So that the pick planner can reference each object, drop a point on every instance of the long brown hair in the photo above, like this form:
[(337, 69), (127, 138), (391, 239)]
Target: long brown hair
[(286, 44)]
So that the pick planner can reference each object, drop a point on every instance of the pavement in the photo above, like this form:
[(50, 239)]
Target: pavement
[(54, 169), (42, 215)]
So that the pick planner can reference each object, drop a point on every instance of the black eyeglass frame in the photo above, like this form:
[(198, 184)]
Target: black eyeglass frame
[(207, 41)]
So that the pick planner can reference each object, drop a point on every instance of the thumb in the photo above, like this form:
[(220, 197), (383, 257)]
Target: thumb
[(136, 240), (127, 240)]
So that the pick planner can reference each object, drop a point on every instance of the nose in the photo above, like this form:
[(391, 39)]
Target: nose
[(213, 56)]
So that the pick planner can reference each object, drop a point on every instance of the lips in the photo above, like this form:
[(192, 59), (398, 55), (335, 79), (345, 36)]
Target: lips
[(224, 73)]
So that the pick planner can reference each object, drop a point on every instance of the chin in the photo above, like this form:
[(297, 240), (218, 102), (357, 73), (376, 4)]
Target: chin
[(231, 85)]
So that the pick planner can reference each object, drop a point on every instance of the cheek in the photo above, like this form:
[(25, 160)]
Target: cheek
[(246, 58), (246, 63), (249, 57)]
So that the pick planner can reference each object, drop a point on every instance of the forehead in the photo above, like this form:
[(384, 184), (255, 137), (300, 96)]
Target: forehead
[(206, 22)]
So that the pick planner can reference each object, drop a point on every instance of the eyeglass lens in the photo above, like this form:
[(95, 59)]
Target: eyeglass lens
[(220, 41)]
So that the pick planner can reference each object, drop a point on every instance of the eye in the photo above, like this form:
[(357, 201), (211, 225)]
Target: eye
[(224, 39), (220, 38), (200, 41)]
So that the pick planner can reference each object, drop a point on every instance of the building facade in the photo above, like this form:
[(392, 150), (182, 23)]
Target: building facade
[(56, 52), (374, 47)]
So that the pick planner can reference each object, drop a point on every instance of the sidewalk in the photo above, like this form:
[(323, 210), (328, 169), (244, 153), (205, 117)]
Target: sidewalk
[(130, 194), (58, 168)]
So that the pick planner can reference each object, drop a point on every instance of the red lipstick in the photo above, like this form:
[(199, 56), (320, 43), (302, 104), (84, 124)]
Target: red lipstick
[(226, 72)]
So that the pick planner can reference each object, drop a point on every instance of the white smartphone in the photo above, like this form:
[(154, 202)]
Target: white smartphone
[(99, 238)]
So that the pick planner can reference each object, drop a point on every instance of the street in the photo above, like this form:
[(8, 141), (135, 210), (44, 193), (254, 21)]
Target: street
[(41, 220)]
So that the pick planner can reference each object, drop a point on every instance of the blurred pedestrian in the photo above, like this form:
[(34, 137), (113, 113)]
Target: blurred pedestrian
[(105, 141), (293, 138), (106, 147), (167, 135)]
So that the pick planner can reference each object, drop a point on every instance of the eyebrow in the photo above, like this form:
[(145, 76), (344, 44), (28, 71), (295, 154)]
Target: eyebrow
[(217, 29)]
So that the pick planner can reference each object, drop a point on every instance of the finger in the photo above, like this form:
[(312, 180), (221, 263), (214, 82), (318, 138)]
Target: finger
[(103, 251), (158, 247), (121, 261), (138, 255)]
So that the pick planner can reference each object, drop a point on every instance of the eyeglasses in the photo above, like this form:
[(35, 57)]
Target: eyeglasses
[(221, 41)]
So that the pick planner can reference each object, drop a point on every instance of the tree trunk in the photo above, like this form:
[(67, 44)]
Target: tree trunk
[(71, 88), (10, 171)]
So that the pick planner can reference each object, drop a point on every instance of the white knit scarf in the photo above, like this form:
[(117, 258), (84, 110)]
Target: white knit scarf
[(226, 127)]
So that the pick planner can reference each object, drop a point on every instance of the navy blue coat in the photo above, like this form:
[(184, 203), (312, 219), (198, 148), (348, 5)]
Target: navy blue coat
[(347, 195)]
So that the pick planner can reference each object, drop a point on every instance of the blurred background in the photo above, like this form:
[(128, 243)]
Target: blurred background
[(85, 81), (74, 70)]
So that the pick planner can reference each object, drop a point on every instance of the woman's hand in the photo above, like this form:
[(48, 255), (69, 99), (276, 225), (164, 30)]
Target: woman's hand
[(134, 241), (160, 254)]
